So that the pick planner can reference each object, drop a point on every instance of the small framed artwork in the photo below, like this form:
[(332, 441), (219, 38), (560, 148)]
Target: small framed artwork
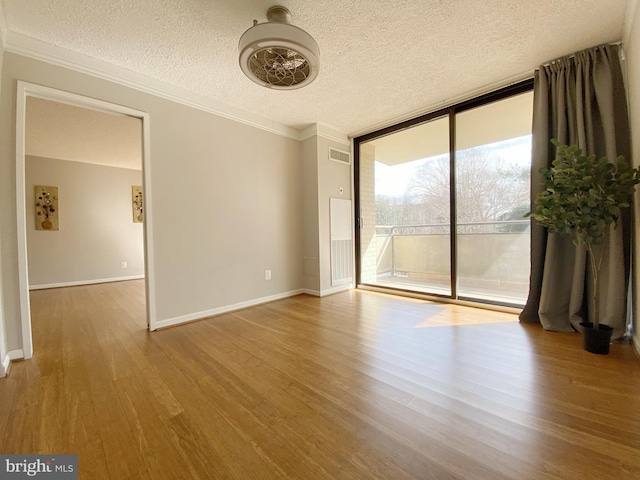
[(46, 202), (136, 199)]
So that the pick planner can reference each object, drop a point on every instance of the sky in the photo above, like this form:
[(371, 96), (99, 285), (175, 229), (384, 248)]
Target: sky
[(393, 180)]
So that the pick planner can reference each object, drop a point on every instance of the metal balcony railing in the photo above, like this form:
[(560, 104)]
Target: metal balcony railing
[(463, 228), (490, 255)]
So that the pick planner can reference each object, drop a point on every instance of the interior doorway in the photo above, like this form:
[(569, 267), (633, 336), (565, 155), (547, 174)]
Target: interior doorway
[(89, 195)]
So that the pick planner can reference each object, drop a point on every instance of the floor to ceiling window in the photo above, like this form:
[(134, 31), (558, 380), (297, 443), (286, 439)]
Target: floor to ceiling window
[(441, 200)]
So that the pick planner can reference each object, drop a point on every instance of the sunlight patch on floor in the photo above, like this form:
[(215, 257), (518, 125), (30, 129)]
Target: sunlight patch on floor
[(467, 318)]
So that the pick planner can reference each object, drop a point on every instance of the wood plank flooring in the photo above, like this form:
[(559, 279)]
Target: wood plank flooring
[(357, 385)]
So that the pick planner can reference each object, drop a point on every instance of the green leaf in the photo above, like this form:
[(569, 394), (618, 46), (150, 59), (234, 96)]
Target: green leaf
[(583, 194)]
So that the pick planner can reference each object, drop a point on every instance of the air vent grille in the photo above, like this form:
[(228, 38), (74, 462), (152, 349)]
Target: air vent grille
[(339, 156)]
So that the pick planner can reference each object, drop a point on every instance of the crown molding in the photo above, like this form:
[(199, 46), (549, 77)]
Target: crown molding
[(325, 131), (38, 50)]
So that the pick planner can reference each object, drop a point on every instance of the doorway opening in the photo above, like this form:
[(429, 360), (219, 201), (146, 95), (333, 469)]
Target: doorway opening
[(83, 195)]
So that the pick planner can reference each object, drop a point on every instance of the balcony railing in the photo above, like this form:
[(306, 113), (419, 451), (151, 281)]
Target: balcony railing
[(492, 258)]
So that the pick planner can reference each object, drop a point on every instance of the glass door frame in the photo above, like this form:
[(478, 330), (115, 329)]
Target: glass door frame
[(450, 112)]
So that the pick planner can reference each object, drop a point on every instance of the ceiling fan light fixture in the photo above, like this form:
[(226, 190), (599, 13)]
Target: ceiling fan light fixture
[(279, 55)]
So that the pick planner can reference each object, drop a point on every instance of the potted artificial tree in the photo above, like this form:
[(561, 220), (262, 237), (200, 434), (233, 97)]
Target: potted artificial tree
[(583, 197)]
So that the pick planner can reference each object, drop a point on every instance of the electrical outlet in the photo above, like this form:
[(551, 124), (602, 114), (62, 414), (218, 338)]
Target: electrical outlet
[(123, 264), (267, 274)]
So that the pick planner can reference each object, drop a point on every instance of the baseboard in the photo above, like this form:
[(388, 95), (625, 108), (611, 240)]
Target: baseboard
[(315, 293), (225, 309), (636, 342), (16, 354), (84, 282), (336, 289), (328, 291), (6, 361), (4, 366)]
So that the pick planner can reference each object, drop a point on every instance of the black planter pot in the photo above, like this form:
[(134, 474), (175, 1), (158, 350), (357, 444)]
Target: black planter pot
[(596, 341)]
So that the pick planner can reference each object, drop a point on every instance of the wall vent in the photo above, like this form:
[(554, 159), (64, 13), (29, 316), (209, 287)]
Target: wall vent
[(339, 156)]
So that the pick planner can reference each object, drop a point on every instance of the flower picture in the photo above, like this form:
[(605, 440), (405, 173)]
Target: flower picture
[(46, 203), (136, 198)]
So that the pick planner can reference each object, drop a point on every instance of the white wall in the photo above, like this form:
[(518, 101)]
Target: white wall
[(631, 45), (227, 200), (322, 179), (331, 177), (311, 265), (96, 229)]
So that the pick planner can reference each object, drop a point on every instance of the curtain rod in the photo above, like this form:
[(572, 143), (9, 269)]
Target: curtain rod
[(567, 57)]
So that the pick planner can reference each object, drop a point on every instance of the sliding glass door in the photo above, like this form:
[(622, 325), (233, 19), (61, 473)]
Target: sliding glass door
[(405, 209), (493, 165), (441, 201)]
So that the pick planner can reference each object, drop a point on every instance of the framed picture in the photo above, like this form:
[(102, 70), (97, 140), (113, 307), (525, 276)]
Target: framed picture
[(136, 200), (46, 203)]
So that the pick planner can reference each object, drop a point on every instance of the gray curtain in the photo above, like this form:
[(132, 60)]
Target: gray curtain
[(579, 100)]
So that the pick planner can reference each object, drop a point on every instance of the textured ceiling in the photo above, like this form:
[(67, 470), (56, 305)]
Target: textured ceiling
[(380, 61)]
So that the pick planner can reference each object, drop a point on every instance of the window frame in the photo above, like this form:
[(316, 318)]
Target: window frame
[(450, 112)]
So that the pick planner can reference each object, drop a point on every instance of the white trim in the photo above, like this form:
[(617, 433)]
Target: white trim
[(25, 90), (4, 358), (21, 212), (16, 355), (336, 289), (4, 366), (325, 131), (6, 361), (48, 93), (636, 342), (315, 293), (45, 52), (225, 309), (84, 282), (149, 265), (310, 131), (328, 291), (32, 48)]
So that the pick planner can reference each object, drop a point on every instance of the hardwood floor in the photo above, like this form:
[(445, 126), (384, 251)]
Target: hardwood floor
[(357, 385)]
